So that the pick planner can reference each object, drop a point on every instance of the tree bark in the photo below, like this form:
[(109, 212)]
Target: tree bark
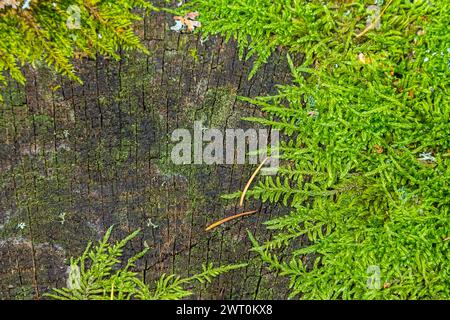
[(76, 159)]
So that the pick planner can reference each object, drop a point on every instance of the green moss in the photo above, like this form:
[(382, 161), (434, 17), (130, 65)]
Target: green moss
[(366, 162)]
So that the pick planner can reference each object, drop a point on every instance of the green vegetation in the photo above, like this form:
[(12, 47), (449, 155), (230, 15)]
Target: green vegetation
[(56, 31), (96, 276), (366, 155)]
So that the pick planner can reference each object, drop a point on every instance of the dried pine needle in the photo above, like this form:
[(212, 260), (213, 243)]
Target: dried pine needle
[(218, 223), (241, 202)]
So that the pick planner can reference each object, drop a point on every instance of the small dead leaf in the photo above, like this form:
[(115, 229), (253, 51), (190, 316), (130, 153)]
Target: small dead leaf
[(191, 25), (192, 15), (378, 149), (187, 22)]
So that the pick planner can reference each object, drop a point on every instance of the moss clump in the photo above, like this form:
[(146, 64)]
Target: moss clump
[(366, 161)]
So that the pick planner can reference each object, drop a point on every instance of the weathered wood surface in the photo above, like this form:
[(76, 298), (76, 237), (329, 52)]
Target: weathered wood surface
[(75, 159)]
